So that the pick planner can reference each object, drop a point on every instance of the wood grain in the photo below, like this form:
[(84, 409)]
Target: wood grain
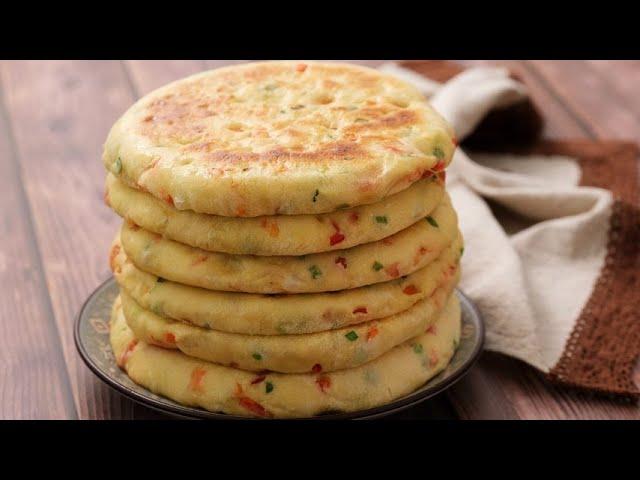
[(623, 79), (33, 377), (61, 113), (586, 93)]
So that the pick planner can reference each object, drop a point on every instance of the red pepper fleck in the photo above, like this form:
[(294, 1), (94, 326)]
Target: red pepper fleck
[(410, 290), (115, 250), (421, 251), (199, 259), (105, 197), (317, 368), (432, 329), (254, 407), (341, 261), (169, 199), (439, 166), (360, 310), (387, 241), (258, 379), (170, 338), (354, 217), (372, 333), (271, 226), (241, 211), (433, 358), (134, 226), (250, 404), (323, 382), (336, 238), (196, 379), (301, 67), (392, 270), (122, 361)]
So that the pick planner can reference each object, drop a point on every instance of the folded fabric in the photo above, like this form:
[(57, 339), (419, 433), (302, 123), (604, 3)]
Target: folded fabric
[(551, 260)]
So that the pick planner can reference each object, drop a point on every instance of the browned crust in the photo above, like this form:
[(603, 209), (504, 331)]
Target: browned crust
[(180, 117)]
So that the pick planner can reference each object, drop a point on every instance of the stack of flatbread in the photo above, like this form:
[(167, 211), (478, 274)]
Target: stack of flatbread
[(288, 246)]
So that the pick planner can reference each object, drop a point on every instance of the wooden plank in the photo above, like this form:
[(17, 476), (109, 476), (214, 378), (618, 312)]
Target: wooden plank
[(623, 78), (33, 377), (222, 63), (61, 113), (147, 75), (590, 97), (501, 387)]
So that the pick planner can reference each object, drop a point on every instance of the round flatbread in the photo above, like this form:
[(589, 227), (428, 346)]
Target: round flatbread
[(279, 234), (274, 138), (216, 388), (257, 314), (395, 256), (322, 351)]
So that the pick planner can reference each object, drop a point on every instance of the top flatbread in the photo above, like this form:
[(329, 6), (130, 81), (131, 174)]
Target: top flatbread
[(273, 138)]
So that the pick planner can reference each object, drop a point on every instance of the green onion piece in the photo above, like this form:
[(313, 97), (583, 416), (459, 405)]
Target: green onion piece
[(315, 271), (268, 387), (417, 347), (438, 153), (381, 219), (432, 221), (377, 266), (117, 166), (352, 336), (257, 356)]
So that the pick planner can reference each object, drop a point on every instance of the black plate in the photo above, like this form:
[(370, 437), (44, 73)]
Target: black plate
[(91, 336)]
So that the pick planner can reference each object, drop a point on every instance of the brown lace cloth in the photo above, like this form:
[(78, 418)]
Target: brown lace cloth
[(604, 346)]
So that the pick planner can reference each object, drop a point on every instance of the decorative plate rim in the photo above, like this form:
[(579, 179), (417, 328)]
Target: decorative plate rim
[(417, 396)]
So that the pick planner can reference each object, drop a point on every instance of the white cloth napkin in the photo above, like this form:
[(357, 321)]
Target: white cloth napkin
[(532, 259)]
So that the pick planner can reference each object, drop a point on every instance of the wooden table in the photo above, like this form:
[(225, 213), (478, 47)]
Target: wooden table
[(55, 230)]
